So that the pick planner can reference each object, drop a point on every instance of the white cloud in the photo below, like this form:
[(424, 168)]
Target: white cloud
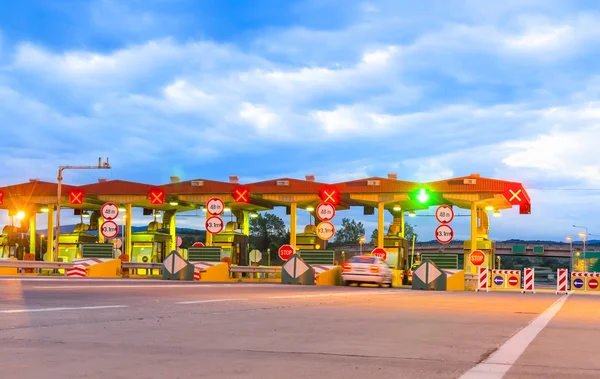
[(261, 117)]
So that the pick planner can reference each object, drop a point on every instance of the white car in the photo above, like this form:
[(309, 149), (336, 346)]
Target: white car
[(366, 269)]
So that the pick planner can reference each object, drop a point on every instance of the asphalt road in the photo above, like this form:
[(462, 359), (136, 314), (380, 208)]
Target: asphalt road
[(80, 328)]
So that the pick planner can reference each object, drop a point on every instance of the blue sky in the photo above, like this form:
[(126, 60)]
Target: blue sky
[(337, 88)]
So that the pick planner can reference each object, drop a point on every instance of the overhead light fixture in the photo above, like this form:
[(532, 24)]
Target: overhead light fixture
[(411, 214), (20, 215), (310, 209), (85, 214), (253, 214), (45, 210), (157, 214), (121, 209), (174, 203), (489, 208), (227, 209), (496, 213), (397, 208)]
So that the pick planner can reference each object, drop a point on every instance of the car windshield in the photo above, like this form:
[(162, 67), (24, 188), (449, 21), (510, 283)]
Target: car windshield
[(363, 259)]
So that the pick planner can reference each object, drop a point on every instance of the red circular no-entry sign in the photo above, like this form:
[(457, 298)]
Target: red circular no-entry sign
[(286, 252), (593, 284), (513, 281)]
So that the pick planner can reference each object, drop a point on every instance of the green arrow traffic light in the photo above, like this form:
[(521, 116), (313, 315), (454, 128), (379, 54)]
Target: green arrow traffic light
[(423, 196)]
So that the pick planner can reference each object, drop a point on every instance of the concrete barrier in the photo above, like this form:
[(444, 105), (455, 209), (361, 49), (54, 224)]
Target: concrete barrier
[(455, 280), (211, 271), (328, 275), (99, 267)]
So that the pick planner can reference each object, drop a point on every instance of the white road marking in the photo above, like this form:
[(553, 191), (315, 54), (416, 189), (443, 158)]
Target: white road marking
[(208, 301), (366, 293), (498, 364), (62, 309), (149, 286)]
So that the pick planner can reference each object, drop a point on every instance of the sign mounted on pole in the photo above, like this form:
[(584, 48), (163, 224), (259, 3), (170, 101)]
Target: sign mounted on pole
[(444, 214), (1, 198), (109, 211), (444, 233), (286, 252), (325, 211), (329, 195), (157, 196), (76, 197), (109, 229), (255, 256), (214, 225), (477, 257), (515, 194), (215, 206), (197, 244), (241, 195), (325, 230), (379, 252)]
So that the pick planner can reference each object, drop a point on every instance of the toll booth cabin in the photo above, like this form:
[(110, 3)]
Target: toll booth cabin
[(309, 240), (70, 245), (397, 248), (150, 245), (8, 242), (233, 244)]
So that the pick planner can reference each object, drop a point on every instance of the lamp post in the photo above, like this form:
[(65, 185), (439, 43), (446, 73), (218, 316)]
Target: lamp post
[(360, 243), (584, 235), (570, 252), (101, 165)]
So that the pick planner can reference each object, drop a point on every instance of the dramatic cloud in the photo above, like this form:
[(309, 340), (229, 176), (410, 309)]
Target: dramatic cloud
[(428, 91)]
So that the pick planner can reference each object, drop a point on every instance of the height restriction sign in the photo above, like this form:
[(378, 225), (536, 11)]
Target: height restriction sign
[(444, 233)]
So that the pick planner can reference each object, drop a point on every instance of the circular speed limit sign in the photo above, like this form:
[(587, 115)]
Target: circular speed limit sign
[(109, 229), (215, 206), (444, 233)]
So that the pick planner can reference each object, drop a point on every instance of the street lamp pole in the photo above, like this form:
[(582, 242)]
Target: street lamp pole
[(584, 241), (571, 252), (101, 165)]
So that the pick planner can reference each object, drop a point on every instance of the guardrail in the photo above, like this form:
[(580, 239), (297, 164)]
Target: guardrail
[(34, 266), (239, 270), (133, 267)]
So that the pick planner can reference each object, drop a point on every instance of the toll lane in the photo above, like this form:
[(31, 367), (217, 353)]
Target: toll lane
[(159, 329)]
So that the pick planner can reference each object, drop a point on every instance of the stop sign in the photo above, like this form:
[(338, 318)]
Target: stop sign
[(477, 257), (286, 252), (379, 252)]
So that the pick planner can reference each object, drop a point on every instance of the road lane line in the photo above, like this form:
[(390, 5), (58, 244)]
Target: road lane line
[(498, 363), (339, 294), (208, 301), (122, 286), (62, 309)]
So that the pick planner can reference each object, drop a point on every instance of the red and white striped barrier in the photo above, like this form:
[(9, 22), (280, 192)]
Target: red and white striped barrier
[(586, 274), (482, 280), (77, 272), (196, 275), (562, 275), (528, 280), (506, 272)]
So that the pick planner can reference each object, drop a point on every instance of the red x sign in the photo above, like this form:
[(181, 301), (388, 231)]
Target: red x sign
[(515, 194), (241, 194), (329, 195), (1, 198), (157, 196), (76, 197)]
